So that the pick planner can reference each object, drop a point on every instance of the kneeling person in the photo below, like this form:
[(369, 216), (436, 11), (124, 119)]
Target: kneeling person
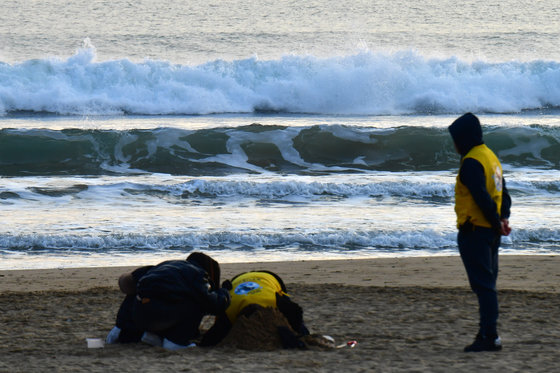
[(249, 292), (165, 303)]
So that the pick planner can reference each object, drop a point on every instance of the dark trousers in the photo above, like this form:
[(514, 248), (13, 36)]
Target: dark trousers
[(130, 332), (479, 252), (177, 322)]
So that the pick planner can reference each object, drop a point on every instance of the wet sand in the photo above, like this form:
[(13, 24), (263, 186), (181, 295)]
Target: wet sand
[(407, 314)]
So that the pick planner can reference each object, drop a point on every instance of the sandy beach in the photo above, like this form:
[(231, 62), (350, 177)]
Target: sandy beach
[(407, 314)]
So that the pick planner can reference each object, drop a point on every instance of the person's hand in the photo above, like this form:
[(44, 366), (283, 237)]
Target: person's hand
[(505, 229), (225, 295), (227, 285)]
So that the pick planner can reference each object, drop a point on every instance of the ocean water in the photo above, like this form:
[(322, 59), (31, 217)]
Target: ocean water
[(133, 132)]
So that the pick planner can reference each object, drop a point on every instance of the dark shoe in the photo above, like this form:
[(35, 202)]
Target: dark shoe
[(485, 344)]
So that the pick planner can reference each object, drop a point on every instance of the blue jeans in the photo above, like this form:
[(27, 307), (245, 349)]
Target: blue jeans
[(479, 252)]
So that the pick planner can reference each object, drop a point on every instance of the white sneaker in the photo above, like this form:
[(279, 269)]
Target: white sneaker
[(151, 339), (113, 336), (168, 345)]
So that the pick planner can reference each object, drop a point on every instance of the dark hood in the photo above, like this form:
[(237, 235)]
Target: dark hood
[(466, 133)]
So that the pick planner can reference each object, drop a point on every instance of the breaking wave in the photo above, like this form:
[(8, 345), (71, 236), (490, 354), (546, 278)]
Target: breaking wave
[(260, 149), (366, 83)]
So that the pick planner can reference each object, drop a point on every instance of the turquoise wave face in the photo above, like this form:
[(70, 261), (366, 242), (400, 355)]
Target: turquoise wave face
[(258, 149)]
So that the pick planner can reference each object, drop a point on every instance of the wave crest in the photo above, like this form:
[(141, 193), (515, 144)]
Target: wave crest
[(260, 149), (366, 83)]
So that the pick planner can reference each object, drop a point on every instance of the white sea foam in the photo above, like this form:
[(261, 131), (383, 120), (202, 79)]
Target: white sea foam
[(234, 189), (312, 241), (341, 243), (363, 83)]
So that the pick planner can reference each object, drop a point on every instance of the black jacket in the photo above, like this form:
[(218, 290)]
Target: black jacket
[(178, 281), (466, 132)]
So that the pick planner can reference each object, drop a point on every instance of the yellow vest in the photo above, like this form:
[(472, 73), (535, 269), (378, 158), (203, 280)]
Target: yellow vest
[(465, 207), (252, 288)]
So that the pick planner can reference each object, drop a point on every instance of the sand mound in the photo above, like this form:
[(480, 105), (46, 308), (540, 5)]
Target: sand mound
[(258, 331), (267, 329)]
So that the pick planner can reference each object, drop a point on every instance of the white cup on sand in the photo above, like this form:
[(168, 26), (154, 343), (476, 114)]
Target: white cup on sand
[(95, 342)]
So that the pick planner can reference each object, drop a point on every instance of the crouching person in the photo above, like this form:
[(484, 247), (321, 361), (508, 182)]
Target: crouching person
[(254, 291), (165, 303)]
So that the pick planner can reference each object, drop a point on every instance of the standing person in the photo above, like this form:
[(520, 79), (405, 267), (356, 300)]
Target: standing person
[(482, 205), (165, 303)]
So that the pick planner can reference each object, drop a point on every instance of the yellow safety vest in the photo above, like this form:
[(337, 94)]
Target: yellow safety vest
[(465, 206), (252, 288)]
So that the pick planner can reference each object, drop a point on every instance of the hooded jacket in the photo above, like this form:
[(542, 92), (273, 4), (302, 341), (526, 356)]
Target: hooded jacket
[(179, 281), (466, 132)]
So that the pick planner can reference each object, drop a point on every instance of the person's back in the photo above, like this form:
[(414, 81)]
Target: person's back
[(249, 288), (175, 281), (249, 292)]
